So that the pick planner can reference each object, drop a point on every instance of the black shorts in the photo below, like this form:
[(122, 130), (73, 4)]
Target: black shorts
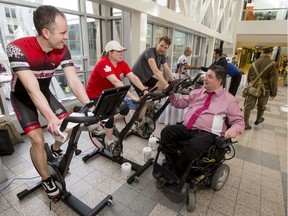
[(27, 114), (150, 83)]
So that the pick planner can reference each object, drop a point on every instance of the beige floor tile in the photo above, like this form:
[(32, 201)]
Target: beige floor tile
[(162, 210), (272, 195), (252, 167), (250, 187), (271, 173), (272, 208), (249, 200), (272, 183), (241, 210), (222, 205)]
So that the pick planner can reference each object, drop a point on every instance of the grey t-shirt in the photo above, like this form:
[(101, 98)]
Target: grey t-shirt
[(141, 67)]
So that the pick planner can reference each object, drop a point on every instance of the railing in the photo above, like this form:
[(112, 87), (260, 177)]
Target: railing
[(265, 14)]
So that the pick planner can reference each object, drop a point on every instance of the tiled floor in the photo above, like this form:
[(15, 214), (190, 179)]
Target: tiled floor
[(257, 184)]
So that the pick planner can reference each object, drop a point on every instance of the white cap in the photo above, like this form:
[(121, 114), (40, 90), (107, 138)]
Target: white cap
[(114, 45)]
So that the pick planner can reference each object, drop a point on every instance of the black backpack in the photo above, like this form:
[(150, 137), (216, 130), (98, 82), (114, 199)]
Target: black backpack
[(6, 147)]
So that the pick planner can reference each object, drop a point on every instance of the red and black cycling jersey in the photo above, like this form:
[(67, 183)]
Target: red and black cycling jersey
[(26, 54)]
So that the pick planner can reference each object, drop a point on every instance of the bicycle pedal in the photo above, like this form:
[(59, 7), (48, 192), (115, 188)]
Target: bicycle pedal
[(56, 199)]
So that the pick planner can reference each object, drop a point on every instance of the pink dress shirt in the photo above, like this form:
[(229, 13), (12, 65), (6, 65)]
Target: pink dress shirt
[(213, 119)]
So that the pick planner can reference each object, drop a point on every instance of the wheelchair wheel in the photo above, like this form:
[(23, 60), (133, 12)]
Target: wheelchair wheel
[(220, 177), (147, 128), (190, 200)]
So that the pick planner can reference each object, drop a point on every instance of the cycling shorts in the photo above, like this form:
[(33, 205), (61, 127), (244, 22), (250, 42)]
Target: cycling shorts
[(27, 113)]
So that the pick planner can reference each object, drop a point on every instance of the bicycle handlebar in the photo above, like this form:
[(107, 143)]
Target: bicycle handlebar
[(172, 88), (80, 119)]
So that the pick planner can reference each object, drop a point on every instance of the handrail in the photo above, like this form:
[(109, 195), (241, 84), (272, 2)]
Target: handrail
[(265, 14)]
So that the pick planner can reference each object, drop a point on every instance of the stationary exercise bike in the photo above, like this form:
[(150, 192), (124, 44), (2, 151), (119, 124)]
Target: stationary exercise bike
[(58, 168), (98, 139), (153, 112)]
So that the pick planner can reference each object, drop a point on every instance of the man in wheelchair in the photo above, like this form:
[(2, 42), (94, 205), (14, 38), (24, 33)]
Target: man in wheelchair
[(209, 106)]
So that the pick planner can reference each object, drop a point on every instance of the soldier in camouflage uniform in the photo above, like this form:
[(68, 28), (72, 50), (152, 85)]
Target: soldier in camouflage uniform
[(270, 81)]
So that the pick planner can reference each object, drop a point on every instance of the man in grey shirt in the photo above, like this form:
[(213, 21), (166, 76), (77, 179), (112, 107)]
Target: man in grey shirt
[(147, 66)]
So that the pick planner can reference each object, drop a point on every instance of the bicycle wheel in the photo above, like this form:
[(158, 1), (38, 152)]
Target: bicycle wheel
[(56, 175), (146, 128), (97, 136)]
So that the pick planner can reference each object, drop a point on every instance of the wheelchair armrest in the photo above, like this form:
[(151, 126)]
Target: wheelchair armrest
[(222, 142)]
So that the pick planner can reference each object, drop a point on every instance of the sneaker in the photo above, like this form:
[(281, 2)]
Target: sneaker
[(116, 151), (51, 188), (259, 121), (56, 153), (110, 146), (248, 127)]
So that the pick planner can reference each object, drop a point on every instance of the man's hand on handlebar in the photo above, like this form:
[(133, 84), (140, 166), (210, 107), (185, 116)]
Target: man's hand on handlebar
[(52, 126), (133, 98)]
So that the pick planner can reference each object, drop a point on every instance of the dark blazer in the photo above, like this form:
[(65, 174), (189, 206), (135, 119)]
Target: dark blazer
[(221, 61)]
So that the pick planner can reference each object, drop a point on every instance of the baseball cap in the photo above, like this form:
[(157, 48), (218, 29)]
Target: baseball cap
[(114, 45)]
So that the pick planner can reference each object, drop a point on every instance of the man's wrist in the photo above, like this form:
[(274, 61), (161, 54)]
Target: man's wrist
[(145, 89)]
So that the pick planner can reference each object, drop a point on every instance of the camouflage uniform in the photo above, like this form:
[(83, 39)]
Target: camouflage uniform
[(270, 81)]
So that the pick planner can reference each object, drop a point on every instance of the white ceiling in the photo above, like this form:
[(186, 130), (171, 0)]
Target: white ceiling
[(250, 41)]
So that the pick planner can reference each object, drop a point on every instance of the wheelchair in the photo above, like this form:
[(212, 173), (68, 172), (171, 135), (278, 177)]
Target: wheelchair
[(208, 170)]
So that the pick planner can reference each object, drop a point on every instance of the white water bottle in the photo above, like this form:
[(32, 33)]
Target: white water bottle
[(152, 142), (146, 153), (126, 170)]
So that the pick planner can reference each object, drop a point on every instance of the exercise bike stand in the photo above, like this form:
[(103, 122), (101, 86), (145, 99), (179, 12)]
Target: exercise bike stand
[(135, 167), (58, 168), (72, 202)]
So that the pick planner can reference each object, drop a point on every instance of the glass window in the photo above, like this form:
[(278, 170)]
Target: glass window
[(154, 33), (197, 43), (13, 14), (149, 35), (10, 29), (74, 31), (177, 8), (7, 12), (116, 12), (117, 30), (160, 32), (162, 2), (16, 28), (72, 4), (93, 36), (200, 49), (92, 8), (179, 44)]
